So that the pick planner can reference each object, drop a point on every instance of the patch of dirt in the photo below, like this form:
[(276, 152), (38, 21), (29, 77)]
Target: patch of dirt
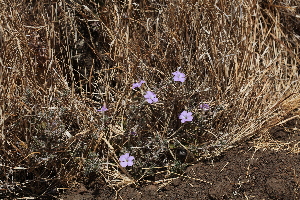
[(243, 172)]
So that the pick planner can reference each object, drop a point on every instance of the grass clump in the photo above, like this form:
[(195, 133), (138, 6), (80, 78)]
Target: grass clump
[(62, 63)]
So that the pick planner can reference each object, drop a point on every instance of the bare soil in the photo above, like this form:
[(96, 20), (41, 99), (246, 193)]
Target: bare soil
[(243, 172)]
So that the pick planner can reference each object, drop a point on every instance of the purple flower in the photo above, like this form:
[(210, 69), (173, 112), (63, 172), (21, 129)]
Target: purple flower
[(133, 133), (186, 116), (103, 109), (150, 97), (126, 160), (178, 76), (139, 84), (204, 107)]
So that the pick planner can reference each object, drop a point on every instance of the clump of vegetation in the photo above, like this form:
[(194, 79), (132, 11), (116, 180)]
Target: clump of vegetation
[(126, 89)]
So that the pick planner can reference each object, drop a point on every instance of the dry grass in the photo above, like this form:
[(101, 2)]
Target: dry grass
[(60, 61)]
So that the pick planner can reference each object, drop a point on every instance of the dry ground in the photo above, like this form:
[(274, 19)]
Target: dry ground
[(249, 171)]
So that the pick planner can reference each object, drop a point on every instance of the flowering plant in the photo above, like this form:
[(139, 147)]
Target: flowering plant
[(204, 107), (150, 97), (139, 84), (126, 160), (178, 76), (103, 109), (186, 116)]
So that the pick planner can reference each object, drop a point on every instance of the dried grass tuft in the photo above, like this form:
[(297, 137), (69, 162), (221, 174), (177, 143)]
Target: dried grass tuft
[(61, 61)]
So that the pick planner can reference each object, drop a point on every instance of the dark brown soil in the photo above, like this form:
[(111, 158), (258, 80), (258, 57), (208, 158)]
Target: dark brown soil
[(243, 172)]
